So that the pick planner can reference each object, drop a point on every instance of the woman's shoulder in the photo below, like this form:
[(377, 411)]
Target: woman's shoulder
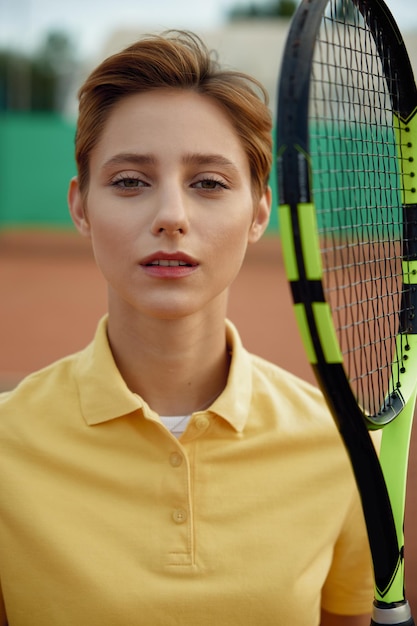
[(283, 380), (48, 381)]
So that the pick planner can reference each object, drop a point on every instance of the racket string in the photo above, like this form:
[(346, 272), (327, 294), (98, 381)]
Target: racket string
[(355, 145)]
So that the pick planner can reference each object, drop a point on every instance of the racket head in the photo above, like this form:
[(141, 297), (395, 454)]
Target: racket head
[(346, 164), (344, 142)]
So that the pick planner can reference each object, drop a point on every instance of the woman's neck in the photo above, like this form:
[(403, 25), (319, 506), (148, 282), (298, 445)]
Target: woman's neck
[(177, 366)]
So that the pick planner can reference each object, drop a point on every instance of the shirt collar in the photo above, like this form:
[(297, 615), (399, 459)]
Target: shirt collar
[(104, 394), (234, 402)]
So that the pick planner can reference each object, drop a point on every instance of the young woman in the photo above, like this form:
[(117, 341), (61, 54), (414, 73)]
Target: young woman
[(164, 475)]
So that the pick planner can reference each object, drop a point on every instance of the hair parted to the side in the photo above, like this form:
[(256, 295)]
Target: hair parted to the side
[(178, 60)]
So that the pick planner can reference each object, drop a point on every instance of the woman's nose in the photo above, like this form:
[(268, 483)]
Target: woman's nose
[(170, 213)]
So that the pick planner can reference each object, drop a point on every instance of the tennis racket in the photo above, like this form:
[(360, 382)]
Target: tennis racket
[(347, 165)]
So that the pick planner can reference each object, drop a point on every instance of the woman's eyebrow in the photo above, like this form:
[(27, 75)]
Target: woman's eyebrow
[(197, 158), (130, 157), (200, 158)]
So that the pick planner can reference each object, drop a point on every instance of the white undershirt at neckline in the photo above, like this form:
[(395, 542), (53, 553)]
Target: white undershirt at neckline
[(176, 424)]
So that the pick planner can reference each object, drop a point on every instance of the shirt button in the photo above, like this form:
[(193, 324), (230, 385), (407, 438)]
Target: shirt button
[(179, 516), (201, 423), (175, 459)]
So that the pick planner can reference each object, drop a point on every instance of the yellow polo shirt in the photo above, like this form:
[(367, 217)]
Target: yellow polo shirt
[(250, 519)]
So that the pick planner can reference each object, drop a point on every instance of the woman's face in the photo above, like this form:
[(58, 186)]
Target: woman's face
[(169, 207)]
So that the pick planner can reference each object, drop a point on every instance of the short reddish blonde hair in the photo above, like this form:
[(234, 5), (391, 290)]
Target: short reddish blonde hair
[(177, 60)]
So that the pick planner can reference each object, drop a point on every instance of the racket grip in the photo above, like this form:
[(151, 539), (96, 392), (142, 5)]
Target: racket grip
[(399, 615)]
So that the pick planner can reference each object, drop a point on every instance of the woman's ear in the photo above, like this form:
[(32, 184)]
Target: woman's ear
[(261, 216), (77, 208)]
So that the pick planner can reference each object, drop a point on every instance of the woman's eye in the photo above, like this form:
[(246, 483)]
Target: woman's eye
[(209, 184), (128, 183)]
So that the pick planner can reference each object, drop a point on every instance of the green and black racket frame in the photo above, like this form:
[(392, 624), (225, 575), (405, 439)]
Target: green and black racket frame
[(346, 154)]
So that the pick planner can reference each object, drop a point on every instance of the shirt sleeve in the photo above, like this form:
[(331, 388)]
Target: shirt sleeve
[(349, 589)]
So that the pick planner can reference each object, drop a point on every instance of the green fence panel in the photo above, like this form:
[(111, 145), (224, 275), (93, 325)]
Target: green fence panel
[(36, 164)]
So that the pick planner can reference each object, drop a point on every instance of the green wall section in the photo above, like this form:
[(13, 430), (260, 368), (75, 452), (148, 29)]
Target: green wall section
[(36, 164)]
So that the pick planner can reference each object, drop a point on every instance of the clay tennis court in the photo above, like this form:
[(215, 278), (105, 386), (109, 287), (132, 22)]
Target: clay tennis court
[(52, 296)]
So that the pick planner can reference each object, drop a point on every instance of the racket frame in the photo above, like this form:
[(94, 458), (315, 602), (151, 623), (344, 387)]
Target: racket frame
[(383, 501)]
